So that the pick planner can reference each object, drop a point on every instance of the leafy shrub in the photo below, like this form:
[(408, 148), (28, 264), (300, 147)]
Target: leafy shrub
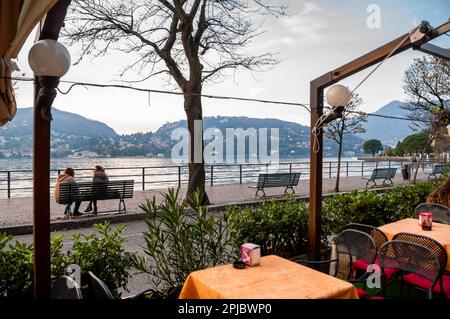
[(103, 255), (16, 268), (280, 228), (178, 243)]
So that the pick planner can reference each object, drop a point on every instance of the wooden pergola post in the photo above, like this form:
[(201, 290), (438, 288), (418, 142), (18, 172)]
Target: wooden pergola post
[(41, 170), (416, 40)]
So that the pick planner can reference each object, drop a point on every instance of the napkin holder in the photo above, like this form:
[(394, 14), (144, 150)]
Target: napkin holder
[(251, 254)]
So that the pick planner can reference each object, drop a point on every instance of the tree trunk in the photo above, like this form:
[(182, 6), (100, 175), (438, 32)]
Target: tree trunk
[(193, 109), (336, 187), (430, 139)]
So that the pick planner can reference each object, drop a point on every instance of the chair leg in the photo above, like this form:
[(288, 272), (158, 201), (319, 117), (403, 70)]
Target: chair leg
[(401, 289)]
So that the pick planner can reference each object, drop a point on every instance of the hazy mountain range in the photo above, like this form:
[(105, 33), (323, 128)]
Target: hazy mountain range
[(388, 131), (75, 135)]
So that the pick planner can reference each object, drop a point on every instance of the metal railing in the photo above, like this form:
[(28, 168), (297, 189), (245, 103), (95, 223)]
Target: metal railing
[(19, 183)]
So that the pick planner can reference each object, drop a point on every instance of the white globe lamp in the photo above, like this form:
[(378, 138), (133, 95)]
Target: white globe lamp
[(49, 58), (338, 96), (49, 61)]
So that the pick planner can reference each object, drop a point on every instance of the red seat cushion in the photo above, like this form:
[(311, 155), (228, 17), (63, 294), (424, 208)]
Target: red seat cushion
[(362, 293), (446, 286), (362, 265), (419, 281)]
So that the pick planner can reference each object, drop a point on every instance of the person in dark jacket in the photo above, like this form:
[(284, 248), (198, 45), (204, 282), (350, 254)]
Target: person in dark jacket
[(98, 178)]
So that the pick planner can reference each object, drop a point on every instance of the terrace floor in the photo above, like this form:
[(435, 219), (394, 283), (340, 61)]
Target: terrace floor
[(18, 211)]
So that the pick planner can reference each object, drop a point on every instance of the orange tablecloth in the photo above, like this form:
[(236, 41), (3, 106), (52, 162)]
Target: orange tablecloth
[(439, 232), (274, 278)]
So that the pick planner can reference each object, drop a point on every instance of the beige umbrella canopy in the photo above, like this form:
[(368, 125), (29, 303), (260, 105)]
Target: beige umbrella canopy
[(17, 20)]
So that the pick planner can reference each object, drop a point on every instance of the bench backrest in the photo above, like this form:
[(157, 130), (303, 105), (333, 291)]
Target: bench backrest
[(86, 191), (278, 179), (440, 168), (383, 173)]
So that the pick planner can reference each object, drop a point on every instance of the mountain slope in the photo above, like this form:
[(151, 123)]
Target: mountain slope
[(294, 138), (64, 123), (388, 131)]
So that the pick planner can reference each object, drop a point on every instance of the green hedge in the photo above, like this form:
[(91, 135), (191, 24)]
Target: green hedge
[(281, 228), (370, 208)]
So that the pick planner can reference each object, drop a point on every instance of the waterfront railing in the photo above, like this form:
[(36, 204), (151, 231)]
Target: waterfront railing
[(19, 183)]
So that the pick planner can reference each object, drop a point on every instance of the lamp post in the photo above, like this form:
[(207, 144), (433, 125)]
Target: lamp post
[(338, 97), (49, 60)]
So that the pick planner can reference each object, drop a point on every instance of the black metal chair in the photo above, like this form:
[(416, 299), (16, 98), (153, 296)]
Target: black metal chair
[(441, 213), (436, 247), (351, 245), (380, 239), (97, 289), (418, 264), (66, 288), (377, 235), (428, 242)]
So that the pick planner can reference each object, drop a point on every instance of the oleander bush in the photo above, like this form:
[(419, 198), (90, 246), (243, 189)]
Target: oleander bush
[(180, 242), (101, 252), (280, 228)]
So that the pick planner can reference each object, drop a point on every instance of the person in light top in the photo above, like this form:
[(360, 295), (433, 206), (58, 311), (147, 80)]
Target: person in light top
[(67, 177)]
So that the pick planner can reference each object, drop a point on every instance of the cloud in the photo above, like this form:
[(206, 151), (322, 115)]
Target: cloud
[(289, 41), (309, 24)]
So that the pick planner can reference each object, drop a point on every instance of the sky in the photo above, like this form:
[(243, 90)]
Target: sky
[(312, 39)]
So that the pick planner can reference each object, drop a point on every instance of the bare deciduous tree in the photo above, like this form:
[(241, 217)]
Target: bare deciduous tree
[(190, 41), (350, 123), (427, 83)]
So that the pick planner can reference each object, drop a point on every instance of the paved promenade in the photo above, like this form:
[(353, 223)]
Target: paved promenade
[(18, 211)]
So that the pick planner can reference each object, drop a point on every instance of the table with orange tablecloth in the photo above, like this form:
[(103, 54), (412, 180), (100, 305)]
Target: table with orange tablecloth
[(274, 278), (439, 232)]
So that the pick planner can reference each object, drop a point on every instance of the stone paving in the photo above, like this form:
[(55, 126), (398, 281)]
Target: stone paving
[(18, 211)]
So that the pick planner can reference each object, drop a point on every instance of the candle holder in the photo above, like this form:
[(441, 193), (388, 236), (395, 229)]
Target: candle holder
[(426, 221)]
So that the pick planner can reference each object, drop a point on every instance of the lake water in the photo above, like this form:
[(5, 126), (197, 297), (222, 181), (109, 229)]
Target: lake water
[(153, 173)]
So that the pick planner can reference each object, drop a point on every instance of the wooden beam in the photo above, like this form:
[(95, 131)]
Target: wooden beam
[(41, 171), (415, 38), (315, 178), (435, 50)]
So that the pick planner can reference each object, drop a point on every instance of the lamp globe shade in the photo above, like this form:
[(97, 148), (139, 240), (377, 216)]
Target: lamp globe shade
[(338, 95), (49, 58)]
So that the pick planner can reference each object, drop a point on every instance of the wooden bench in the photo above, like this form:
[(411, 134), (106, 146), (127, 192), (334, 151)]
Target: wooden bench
[(87, 191), (385, 174), (288, 180), (438, 169)]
